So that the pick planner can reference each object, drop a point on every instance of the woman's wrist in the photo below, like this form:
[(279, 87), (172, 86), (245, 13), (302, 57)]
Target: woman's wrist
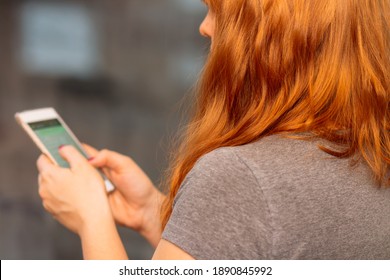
[(95, 221), (100, 239), (151, 229)]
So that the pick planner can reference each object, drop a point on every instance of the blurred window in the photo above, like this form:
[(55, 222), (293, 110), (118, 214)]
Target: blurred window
[(191, 5), (58, 39)]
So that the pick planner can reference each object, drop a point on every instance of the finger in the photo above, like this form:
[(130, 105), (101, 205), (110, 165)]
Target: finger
[(41, 189), (111, 160), (72, 156), (44, 164), (114, 201), (44, 204), (91, 151)]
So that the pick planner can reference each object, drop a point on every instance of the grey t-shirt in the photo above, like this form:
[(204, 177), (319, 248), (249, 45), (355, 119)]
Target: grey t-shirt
[(280, 198)]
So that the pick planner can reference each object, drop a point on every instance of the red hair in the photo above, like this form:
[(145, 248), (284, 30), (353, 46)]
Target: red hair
[(281, 66)]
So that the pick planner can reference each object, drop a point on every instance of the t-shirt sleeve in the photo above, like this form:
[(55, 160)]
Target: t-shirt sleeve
[(220, 212)]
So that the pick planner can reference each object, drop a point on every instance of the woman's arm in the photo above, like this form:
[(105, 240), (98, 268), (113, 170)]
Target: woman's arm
[(76, 198), (136, 202), (100, 240), (169, 251)]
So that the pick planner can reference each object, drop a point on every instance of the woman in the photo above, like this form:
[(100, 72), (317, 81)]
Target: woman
[(287, 153)]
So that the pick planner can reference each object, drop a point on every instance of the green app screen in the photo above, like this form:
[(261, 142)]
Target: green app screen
[(53, 135)]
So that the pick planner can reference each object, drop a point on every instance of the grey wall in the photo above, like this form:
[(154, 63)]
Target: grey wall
[(148, 56)]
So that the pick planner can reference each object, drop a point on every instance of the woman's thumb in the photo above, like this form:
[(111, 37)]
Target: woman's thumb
[(91, 151), (72, 156), (108, 159)]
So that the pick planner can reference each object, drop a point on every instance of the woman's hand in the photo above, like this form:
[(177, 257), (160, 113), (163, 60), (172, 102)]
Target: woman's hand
[(75, 196), (136, 202)]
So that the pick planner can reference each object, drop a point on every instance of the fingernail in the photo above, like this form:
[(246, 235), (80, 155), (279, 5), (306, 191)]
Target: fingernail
[(60, 147), (91, 159)]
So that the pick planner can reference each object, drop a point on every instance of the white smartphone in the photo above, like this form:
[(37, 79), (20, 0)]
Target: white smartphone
[(48, 131)]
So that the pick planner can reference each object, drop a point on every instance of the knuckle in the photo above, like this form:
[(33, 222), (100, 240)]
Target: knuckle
[(46, 206), (45, 174), (42, 191), (39, 160), (40, 179)]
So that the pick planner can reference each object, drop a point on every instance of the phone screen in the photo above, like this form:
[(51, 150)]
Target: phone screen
[(53, 135)]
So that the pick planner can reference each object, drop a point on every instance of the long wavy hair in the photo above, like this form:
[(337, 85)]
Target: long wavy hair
[(282, 66)]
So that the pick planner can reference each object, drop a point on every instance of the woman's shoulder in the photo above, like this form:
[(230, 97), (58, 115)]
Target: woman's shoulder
[(270, 159), (270, 150), (225, 170)]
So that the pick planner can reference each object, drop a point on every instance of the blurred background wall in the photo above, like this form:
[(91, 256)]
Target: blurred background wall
[(115, 71)]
